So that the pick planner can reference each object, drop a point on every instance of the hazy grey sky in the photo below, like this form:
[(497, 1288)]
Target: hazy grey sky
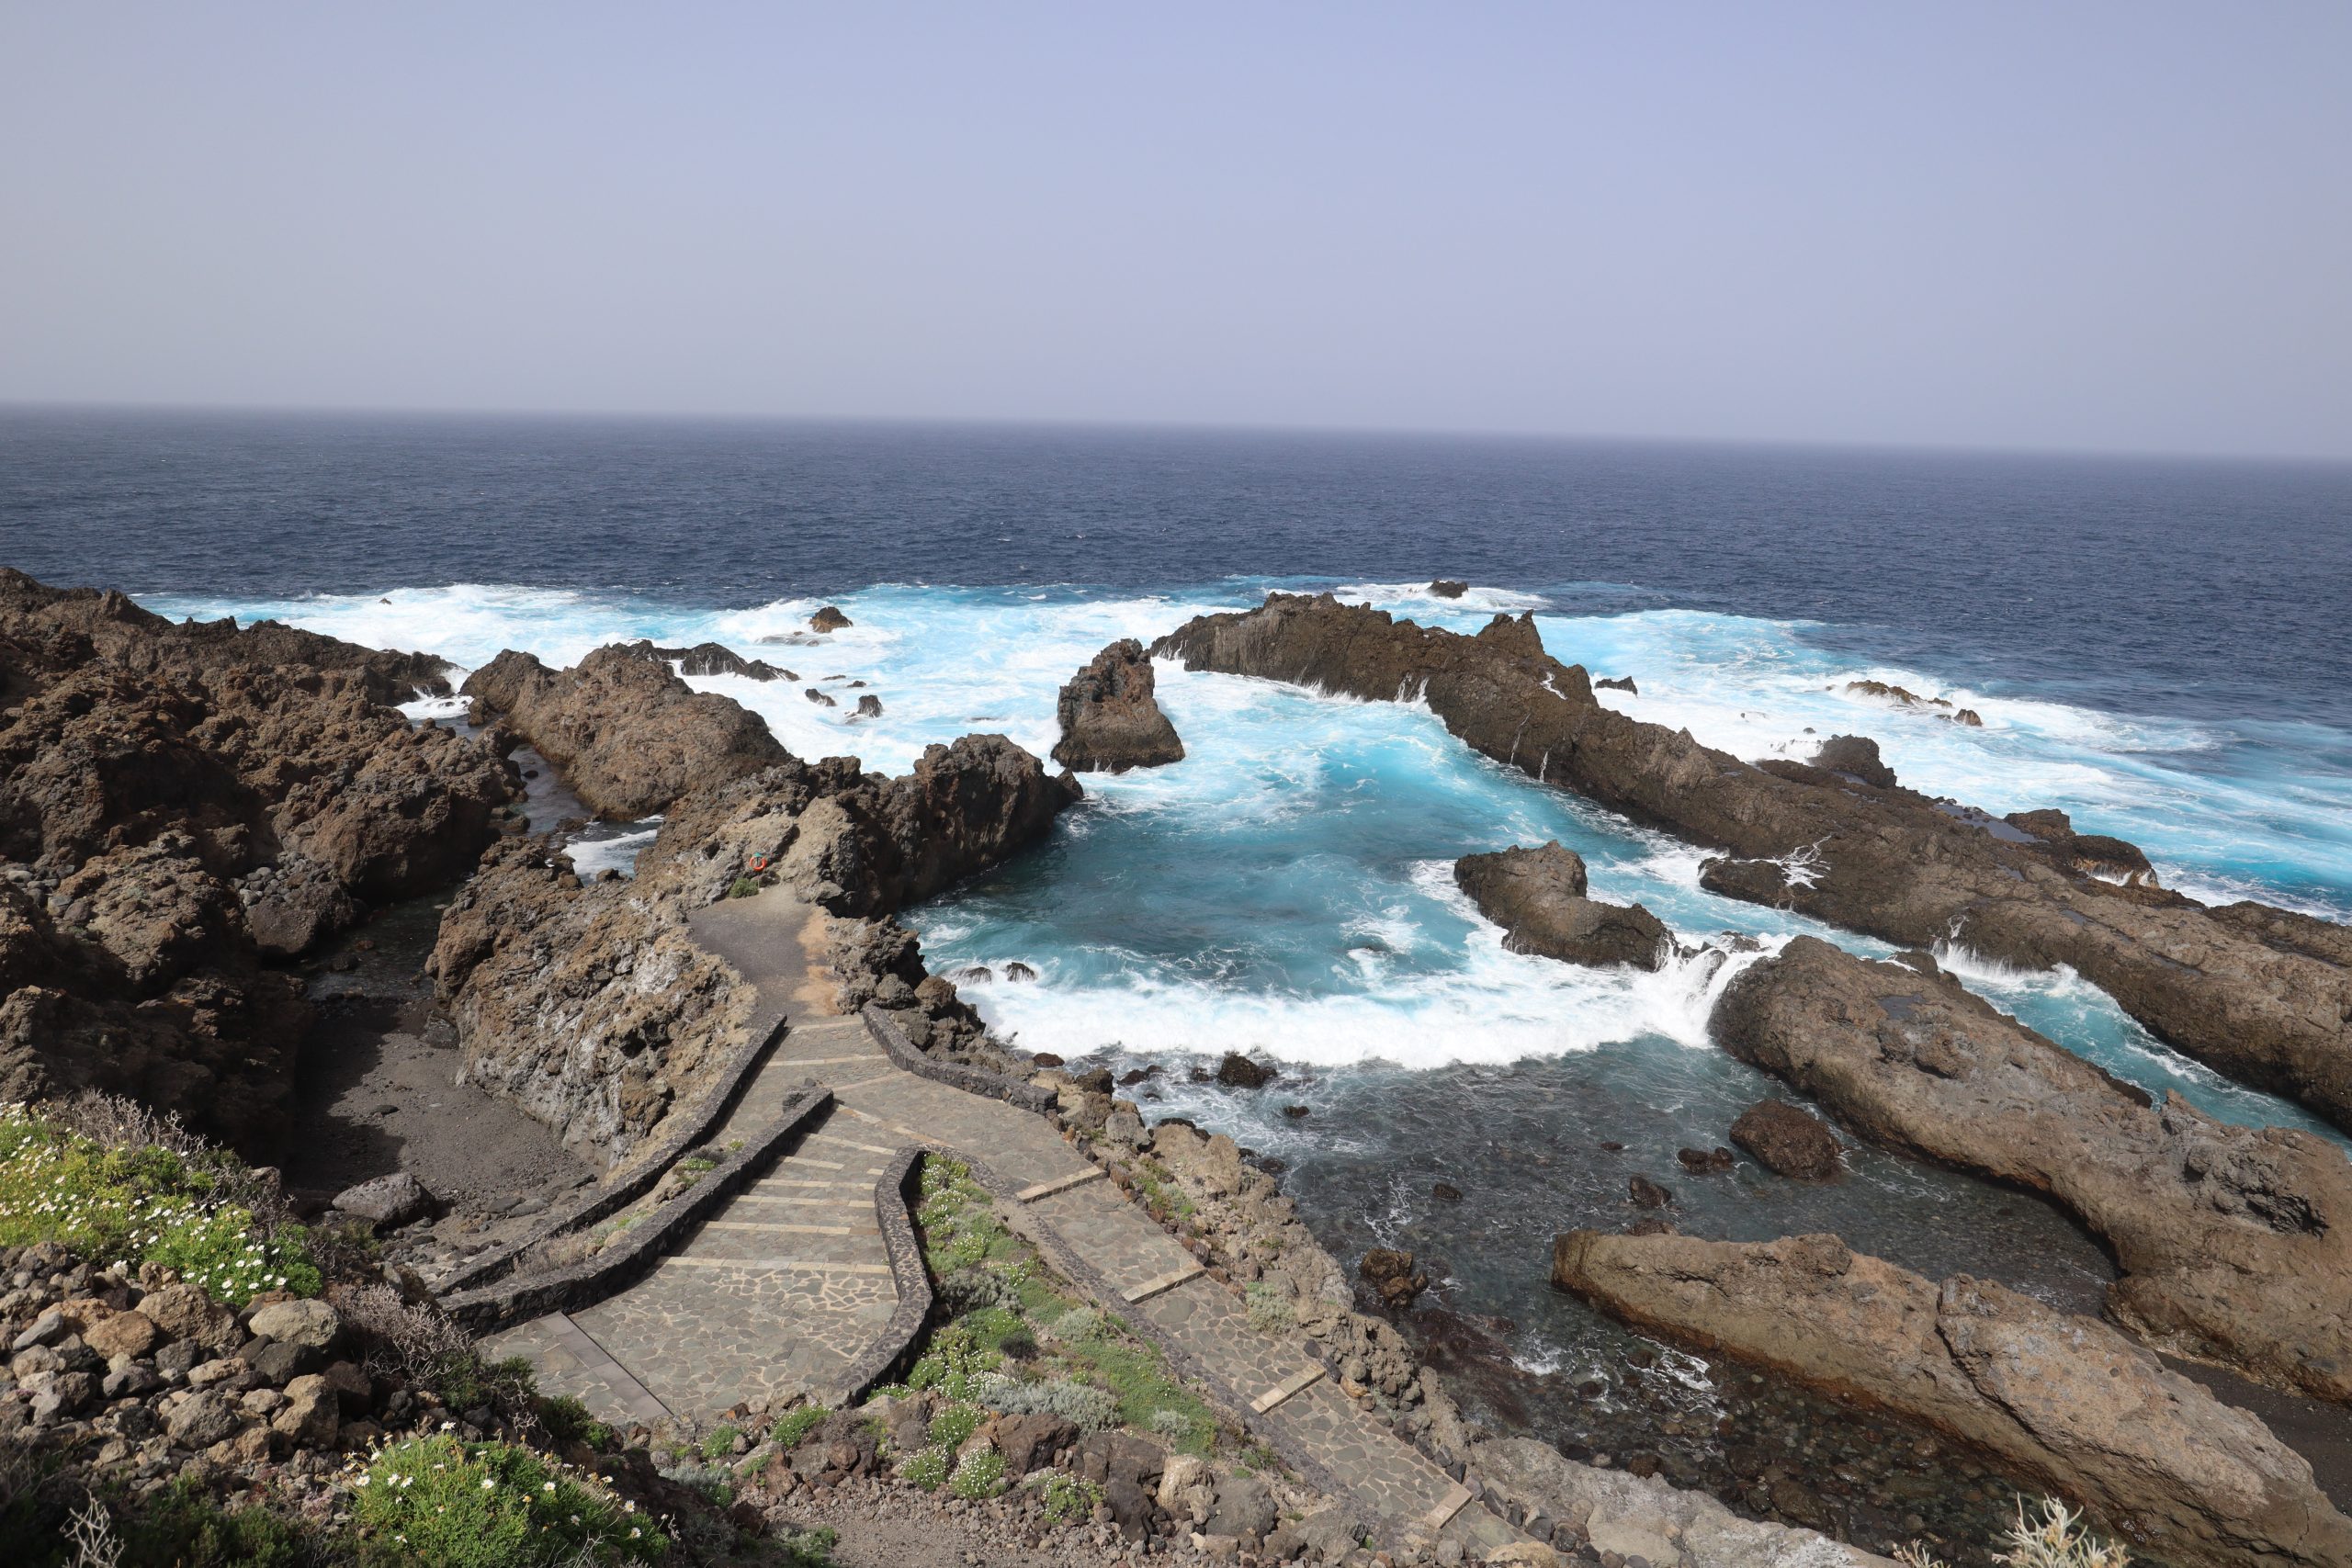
[(2112, 226)]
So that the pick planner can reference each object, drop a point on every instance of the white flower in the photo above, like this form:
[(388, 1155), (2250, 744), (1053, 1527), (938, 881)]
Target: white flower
[(488, 1484)]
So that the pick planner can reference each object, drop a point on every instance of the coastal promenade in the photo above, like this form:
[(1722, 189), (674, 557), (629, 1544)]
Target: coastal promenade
[(787, 1288)]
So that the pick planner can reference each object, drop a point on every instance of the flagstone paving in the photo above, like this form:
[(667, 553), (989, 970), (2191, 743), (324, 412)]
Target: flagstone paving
[(789, 1283)]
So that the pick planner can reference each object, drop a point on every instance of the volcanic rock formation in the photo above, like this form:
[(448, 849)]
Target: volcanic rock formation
[(1537, 895), (177, 802), (2067, 1400), (628, 733), (2272, 1009), (2235, 1243), (1110, 720)]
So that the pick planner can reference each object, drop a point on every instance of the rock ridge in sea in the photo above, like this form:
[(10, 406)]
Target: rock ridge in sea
[(2235, 1243), (2256, 996), (2076, 1405), (1110, 719), (179, 804)]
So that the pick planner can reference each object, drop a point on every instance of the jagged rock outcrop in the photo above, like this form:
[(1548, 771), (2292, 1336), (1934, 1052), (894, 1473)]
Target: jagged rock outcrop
[(1110, 720), (828, 619), (628, 733), (717, 659), (2235, 1243), (1629, 1516), (2065, 1399), (1537, 895), (1886, 862), (1856, 756), (178, 802), (595, 1009)]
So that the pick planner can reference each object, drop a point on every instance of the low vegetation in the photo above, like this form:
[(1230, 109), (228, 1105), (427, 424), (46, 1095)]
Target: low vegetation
[(439, 1503), (168, 1199)]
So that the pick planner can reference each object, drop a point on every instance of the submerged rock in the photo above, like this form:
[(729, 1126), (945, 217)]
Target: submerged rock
[(1787, 1141), (1391, 1274), (2085, 1411), (1238, 1071), (1110, 720), (1537, 897), (1890, 863), (2235, 1243)]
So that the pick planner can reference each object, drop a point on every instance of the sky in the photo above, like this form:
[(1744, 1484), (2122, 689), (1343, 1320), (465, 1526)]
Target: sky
[(2108, 227)]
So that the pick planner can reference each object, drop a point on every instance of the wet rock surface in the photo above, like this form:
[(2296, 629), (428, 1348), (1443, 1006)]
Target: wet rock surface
[(179, 804), (1788, 1142), (2233, 1241), (1110, 720), (629, 734), (1885, 861), (1537, 895), (2065, 1400)]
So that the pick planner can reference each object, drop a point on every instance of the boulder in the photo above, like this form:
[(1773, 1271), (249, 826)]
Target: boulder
[(1857, 756), (1390, 1272), (311, 1324), (1449, 588), (183, 1311), (1788, 1141), (828, 619), (1238, 1071), (1537, 897), (1110, 720), (313, 1414), (2234, 1243), (2084, 1411), (1891, 864), (387, 1203), (1244, 1509), (1618, 683), (125, 1334), (202, 1420), (629, 734)]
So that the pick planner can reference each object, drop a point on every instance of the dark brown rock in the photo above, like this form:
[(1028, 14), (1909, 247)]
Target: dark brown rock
[(630, 734), (1647, 1194), (1619, 684), (2235, 1243), (1537, 897), (1391, 1273), (1788, 1142), (2069, 1401), (828, 619), (1110, 720), (1857, 756), (1449, 588), (1238, 1071), (1889, 862)]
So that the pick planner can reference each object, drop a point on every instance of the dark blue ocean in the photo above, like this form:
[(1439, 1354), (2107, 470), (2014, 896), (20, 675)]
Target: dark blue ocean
[(2163, 648)]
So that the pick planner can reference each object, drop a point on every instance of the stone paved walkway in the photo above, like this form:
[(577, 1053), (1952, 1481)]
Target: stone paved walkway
[(766, 1296)]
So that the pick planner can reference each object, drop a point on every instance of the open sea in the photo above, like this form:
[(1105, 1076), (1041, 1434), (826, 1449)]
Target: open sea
[(2161, 648)]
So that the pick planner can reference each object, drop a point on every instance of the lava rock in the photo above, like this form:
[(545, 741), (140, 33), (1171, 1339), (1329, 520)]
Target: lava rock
[(1238, 1071), (1788, 1141)]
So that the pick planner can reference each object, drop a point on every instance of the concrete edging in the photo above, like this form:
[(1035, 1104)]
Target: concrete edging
[(637, 1250), (894, 1205), (651, 1168), (971, 1081)]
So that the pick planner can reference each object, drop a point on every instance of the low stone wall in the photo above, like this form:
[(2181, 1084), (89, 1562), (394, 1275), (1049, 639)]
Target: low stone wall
[(971, 1081), (646, 1167), (894, 1198), (632, 1254)]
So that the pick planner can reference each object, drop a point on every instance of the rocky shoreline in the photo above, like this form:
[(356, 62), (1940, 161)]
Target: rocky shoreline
[(2252, 993)]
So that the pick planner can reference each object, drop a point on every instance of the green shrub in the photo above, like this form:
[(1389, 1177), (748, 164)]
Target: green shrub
[(465, 1381), (439, 1503), (141, 1205), (1082, 1404), (182, 1527), (1070, 1497), (742, 888), (793, 1428), (952, 1425), (980, 1474), (926, 1469), (567, 1421), (806, 1549), (1270, 1310), (719, 1444)]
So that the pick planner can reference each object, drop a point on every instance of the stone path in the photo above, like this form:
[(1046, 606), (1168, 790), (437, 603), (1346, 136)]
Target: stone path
[(768, 1297)]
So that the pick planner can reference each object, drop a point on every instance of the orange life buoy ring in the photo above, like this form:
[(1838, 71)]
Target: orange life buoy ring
[(759, 863)]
